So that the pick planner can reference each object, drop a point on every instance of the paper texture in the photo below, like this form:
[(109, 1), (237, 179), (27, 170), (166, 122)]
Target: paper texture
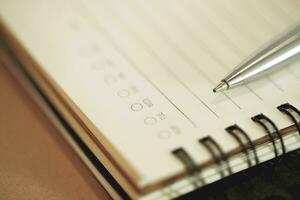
[(143, 71)]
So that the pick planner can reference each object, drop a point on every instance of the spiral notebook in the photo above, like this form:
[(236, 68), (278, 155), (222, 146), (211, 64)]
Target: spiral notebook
[(132, 81)]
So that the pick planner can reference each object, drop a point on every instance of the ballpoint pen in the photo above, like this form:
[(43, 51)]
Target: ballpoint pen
[(277, 52)]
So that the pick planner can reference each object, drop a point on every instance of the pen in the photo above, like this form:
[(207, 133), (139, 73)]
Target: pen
[(278, 51)]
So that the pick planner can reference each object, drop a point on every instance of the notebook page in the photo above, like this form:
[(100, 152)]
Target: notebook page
[(143, 71)]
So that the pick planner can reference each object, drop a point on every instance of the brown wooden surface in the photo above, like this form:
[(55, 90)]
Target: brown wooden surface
[(35, 161)]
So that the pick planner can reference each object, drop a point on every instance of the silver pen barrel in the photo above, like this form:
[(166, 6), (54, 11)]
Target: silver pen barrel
[(279, 51)]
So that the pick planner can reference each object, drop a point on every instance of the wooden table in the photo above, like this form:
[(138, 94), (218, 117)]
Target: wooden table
[(35, 161)]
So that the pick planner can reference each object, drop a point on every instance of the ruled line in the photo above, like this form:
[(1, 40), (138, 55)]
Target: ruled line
[(283, 13), (192, 64), (241, 27), (92, 20), (275, 84), (237, 105), (210, 54), (269, 23), (179, 51), (237, 51), (257, 95), (187, 59), (164, 64), (218, 60), (293, 73)]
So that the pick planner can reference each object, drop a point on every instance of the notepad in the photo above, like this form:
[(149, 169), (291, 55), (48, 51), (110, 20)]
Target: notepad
[(137, 76)]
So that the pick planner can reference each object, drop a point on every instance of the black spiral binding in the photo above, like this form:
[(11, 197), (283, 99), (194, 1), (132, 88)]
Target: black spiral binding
[(247, 146), (217, 153), (189, 164), (290, 111), (270, 128), (244, 141)]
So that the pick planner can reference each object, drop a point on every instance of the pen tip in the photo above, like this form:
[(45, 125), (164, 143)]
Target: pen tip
[(221, 87)]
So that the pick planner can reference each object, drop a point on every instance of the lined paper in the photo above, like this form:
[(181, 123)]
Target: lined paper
[(143, 71)]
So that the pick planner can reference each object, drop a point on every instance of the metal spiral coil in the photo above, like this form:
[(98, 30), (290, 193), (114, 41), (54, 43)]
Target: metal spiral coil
[(246, 145)]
